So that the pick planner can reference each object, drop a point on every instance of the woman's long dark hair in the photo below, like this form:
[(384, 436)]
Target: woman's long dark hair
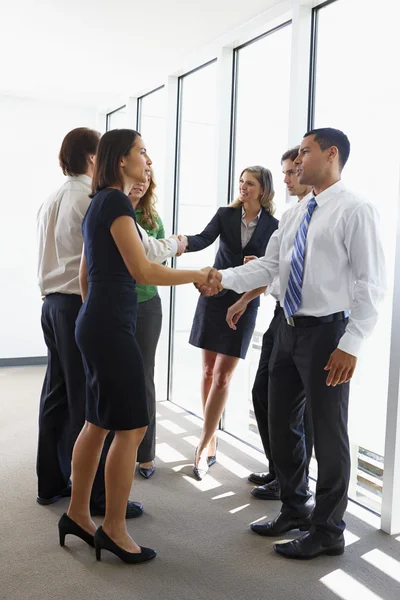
[(113, 145)]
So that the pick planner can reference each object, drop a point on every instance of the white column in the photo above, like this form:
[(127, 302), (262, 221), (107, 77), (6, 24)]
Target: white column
[(166, 293), (131, 112), (300, 70), (224, 122), (390, 522)]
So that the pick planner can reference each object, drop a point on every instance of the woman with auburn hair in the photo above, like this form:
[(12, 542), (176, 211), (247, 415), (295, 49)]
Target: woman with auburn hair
[(149, 318), (112, 261), (244, 229)]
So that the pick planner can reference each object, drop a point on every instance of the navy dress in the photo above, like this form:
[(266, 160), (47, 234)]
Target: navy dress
[(210, 330), (105, 328)]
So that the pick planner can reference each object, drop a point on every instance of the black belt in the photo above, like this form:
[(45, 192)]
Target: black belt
[(314, 321)]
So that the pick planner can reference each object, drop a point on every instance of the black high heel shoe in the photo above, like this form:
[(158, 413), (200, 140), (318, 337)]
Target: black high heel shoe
[(67, 526), (103, 542), (211, 460)]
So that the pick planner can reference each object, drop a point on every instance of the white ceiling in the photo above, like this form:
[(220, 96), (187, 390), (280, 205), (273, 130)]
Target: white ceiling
[(99, 51)]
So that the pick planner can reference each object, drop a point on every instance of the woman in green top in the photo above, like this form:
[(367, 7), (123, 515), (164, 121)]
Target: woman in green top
[(149, 319)]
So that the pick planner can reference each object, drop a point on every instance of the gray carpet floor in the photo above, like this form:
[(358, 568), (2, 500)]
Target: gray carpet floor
[(200, 529)]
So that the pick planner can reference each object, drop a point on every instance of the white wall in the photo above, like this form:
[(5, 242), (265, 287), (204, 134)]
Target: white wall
[(31, 133)]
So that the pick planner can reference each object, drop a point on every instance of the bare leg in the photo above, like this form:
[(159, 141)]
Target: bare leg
[(223, 370), (209, 359), (120, 466), (85, 460)]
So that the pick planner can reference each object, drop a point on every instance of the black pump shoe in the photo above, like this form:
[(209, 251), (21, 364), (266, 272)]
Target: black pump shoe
[(146, 473), (211, 460), (103, 542), (67, 526)]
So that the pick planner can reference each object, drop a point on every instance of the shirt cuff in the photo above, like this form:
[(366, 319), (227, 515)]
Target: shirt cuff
[(174, 245), (350, 343), (227, 278)]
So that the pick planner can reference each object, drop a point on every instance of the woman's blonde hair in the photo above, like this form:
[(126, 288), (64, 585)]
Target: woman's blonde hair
[(147, 205), (264, 178)]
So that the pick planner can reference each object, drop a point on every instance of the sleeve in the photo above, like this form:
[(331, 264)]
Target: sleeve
[(206, 237), (255, 273), (367, 261), (115, 205), (161, 230), (274, 289), (157, 251)]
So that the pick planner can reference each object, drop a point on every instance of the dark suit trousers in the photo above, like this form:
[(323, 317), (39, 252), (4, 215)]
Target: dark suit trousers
[(297, 371), (63, 400), (260, 396), (148, 329)]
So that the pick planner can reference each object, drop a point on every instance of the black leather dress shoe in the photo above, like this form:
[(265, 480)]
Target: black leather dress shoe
[(282, 524), (65, 493), (133, 510), (310, 546), (260, 478), (146, 473), (269, 491)]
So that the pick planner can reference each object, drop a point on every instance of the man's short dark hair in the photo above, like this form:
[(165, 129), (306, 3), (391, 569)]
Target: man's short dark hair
[(291, 154), (327, 137), (77, 146)]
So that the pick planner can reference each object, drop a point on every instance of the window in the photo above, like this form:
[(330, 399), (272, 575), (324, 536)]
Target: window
[(116, 119), (260, 138), (368, 113), (196, 204), (152, 126)]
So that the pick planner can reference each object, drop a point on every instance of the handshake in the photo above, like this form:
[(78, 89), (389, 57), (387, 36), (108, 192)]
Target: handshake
[(182, 243), (210, 283)]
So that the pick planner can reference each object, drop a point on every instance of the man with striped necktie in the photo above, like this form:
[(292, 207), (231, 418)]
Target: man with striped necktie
[(328, 254)]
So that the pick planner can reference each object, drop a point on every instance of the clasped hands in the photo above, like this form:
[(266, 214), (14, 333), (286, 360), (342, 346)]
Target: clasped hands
[(182, 244), (212, 282)]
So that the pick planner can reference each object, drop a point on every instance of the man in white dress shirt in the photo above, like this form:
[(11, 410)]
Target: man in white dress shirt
[(329, 258), (267, 483), (62, 405)]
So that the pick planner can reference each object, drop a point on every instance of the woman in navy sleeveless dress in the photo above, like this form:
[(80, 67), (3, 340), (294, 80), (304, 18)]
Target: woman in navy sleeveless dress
[(113, 260)]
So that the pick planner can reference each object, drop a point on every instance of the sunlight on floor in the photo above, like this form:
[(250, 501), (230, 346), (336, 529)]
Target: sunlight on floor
[(206, 484), (171, 426), (239, 508), (347, 588), (384, 563), (168, 454), (364, 515), (350, 538), (226, 495), (263, 518), (172, 407)]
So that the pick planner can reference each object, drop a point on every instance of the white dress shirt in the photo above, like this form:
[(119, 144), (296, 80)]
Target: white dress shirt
[(344, 262), (60, 239), (274, 289), (247, 229)]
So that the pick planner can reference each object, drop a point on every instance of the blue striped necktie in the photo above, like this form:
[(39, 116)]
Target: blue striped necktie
[(293, 293)]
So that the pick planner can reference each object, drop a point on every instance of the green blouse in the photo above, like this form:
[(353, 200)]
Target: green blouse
[(147, 292)]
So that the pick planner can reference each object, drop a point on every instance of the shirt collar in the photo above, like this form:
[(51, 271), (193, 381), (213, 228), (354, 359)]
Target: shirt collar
[(244, 213), (329, 193), (83, 178)]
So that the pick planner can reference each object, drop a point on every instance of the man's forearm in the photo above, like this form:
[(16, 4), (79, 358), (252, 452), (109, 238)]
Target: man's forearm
[(249, 296)]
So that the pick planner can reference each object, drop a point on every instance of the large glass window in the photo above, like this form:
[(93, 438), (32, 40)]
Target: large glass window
[(152, 126), (356, 91), (196, 204), (260, 138), (116, 119)]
